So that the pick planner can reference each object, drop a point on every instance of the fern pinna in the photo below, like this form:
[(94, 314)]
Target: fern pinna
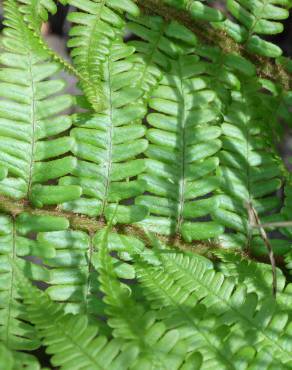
[(181, 153), (29, 115), (138, 217)]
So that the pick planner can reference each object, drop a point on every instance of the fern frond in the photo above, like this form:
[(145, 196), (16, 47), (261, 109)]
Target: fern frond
[(256, 276), (243, 20), (182, 281), (159, 348), (72, 277), (15, 247), (224, 70), (97, 23), (158, 40), (252, 19), (108, 144), (35, 13), (180, 309), (286, 211), (72, 342), (251, 171), (28, 114), (181, 159), (288, 262)]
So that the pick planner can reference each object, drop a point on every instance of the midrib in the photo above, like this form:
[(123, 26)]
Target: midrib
[(199, 280), (182, 153), (33, 128), (186, 314), (89, 276), (89, 50), (257, 19), (108, 159), (149, 59)]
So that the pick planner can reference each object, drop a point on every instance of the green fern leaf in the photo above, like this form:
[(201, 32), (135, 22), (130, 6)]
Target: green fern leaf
[(245, 20), (28, 116), (198, 9), (71, 341), (256, 276), (6, 357), (180, 309), (158, 40), (97, 24), (181, 158), (230, 306), (15, 331), (250, 169), (108, 143), (3, 172), (159, 348), (254, 18), (37, 11), (72, 277)]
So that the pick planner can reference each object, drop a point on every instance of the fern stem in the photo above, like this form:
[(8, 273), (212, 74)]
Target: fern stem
[(266, 68), (254, 216), (92, 225)]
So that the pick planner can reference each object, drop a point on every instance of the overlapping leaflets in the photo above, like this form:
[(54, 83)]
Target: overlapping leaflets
[(30, 113), (106, 196)]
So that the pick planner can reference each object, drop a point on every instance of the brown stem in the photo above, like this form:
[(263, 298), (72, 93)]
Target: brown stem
[(266, 67), (92, 225), (254, 220), (273, 224)]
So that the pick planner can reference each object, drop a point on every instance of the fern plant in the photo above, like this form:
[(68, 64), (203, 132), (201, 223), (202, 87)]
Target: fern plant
[(145, 220)]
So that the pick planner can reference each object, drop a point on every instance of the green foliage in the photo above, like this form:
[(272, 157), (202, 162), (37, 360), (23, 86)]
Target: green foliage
[(181, 162), (242, 20), (97, 24), (250, 168), (30, 114), (110, 198), (108, 143), (253, 19)]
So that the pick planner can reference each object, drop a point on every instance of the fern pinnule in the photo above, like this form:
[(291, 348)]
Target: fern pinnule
[(198, 9), (3, 172)]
